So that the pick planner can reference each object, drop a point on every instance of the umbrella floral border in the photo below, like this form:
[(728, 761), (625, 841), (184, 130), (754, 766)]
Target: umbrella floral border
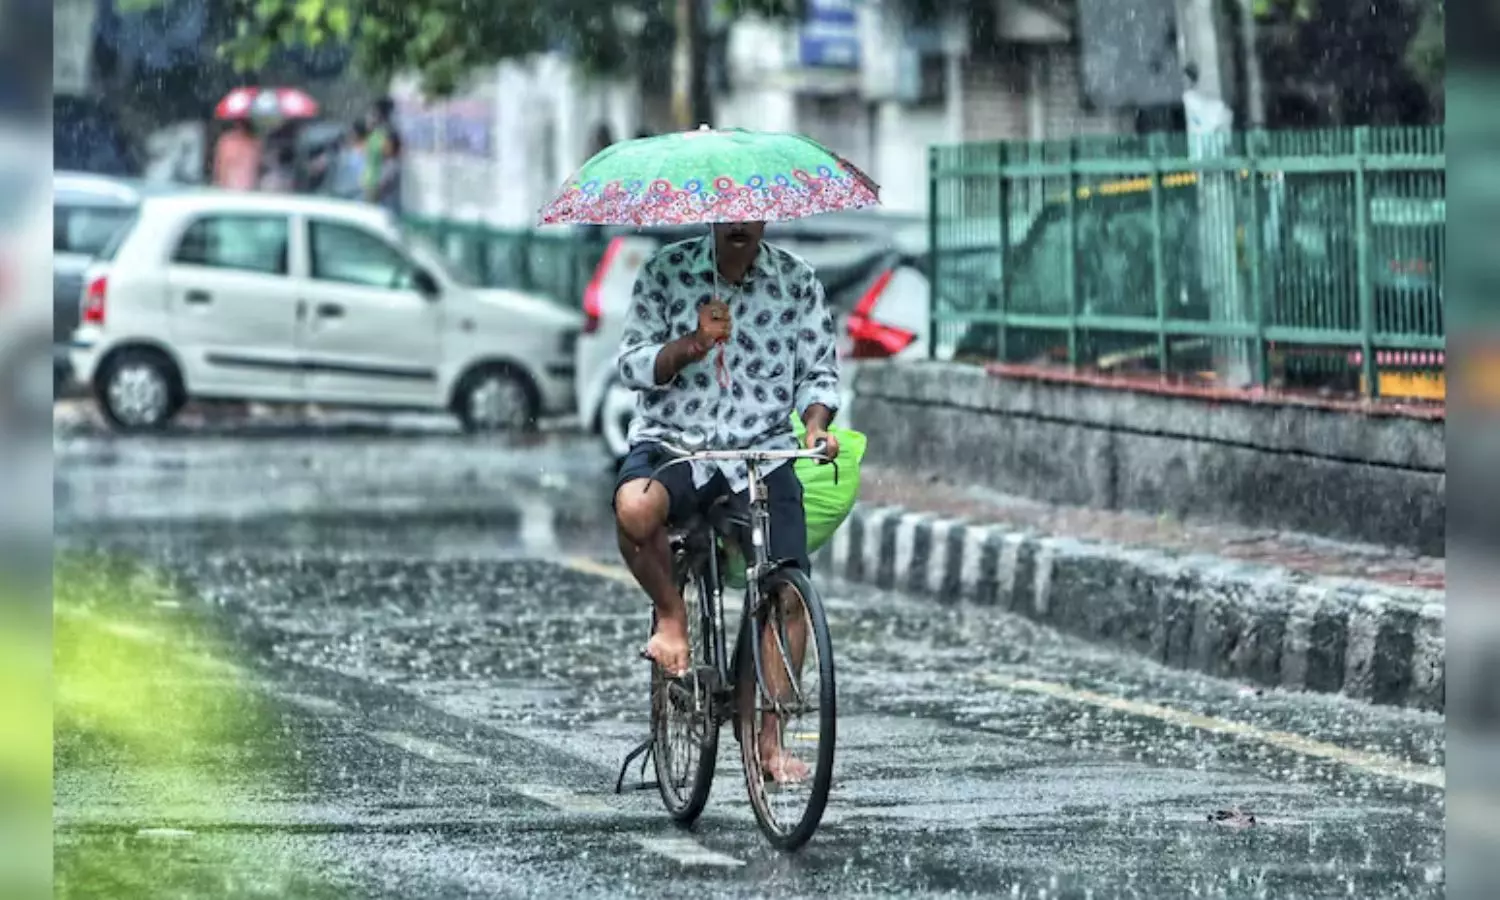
[(760, 198)]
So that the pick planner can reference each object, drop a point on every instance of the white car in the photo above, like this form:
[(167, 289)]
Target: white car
[(87, 210), (281, 298), (871, 270)]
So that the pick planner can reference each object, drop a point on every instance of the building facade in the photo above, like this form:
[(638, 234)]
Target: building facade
[(853, 75)]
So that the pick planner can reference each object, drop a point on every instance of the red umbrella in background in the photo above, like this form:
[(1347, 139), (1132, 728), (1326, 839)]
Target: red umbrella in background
[(266, 103)]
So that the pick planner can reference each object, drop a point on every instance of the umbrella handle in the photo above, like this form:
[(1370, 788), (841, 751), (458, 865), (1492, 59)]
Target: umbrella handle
[(721, 369)]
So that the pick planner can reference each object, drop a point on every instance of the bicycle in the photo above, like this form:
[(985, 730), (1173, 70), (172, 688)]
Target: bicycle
[(687, 711)]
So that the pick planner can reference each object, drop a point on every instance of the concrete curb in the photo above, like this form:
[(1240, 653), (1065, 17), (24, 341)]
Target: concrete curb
[(1260, 624)]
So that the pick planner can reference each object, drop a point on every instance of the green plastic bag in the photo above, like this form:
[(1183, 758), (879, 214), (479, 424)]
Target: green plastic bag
[(826, 504)]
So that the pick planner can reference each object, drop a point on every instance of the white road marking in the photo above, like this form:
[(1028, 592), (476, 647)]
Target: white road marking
[(682, 850), (561, 798), (426, 749), (1372, 763), (687, 851)]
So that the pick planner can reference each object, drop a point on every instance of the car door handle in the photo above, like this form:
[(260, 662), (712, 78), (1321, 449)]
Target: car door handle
[(198, 297), (330, 311)]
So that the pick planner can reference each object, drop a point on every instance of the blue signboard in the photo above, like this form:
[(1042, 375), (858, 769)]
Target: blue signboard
[(830, 35)]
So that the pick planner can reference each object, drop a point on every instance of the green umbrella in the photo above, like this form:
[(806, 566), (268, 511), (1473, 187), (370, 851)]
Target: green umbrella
[(706, 176)]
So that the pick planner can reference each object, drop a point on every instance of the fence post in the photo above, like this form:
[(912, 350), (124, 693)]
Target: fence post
[(1070, 275), (1253, 235), (1362, 260), (1158, 256), (1002, 353), (935, 302), (527, 275)]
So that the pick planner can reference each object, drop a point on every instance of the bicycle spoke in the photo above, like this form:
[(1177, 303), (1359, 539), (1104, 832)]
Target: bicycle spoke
[(685, 730), (785, 652), (800, 712)]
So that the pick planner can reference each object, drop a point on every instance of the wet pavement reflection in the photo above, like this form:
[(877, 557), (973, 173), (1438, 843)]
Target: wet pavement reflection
[(443, 661)]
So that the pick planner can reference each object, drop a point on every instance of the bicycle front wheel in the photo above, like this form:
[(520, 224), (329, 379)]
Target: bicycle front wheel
[(787, 709), (682, 718)]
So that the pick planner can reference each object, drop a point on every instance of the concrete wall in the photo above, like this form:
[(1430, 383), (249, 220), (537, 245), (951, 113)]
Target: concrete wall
[(1338, 473)]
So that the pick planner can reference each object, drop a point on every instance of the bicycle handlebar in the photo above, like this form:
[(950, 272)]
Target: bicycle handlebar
[(682, 454)]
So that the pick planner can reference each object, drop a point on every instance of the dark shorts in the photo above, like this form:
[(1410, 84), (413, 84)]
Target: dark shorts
[(788, 520)]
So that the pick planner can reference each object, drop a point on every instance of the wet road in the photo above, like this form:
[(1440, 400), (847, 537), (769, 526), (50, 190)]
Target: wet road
[(439, 657)]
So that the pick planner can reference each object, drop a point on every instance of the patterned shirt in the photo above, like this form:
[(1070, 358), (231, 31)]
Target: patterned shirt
[(781, 357)]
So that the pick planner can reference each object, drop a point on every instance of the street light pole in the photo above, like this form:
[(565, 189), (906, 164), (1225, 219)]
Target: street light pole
[(1210, 128), (682, 66), (690, 90)]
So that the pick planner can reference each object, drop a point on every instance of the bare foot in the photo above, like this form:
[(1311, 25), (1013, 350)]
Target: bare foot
[(782, 767), (668, 648)]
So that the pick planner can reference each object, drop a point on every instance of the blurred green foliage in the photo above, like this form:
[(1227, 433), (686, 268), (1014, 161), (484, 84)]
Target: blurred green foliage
[(1427, 54), (444, 40), (134, 676), (1426, 50), (156, 734)]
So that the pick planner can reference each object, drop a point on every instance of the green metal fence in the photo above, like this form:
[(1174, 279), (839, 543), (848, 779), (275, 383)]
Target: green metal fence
[(556, 265), (1294, 258)]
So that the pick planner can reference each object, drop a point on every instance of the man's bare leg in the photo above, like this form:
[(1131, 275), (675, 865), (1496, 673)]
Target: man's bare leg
[(781, 765), (641, 508)]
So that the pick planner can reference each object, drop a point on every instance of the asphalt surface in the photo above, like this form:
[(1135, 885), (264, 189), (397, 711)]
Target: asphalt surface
[(440, 655)]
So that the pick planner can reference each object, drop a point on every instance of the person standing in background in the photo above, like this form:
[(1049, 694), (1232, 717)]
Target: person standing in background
[(381, 179), (281, 175), (237, 158), (388, 191), (346, 168)]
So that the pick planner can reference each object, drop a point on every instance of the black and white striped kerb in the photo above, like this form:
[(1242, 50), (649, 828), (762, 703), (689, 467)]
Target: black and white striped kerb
[(1246, 622)]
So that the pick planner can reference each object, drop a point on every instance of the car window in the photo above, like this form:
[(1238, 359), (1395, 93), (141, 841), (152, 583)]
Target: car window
[(351, 255), (86, 229), (111, 247), (241, 243), (451, 265)]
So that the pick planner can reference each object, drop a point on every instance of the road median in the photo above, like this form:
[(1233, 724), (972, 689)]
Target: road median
[(1274, 626)]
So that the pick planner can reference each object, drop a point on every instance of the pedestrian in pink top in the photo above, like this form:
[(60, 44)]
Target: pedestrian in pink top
[(237, 158)]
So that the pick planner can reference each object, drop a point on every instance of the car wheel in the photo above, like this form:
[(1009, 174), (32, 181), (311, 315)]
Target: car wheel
[(496, 398), (139, 390), (615, 416)]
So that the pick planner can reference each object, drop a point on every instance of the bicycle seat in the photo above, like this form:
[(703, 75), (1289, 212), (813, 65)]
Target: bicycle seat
[(718, 515), (724, 519)]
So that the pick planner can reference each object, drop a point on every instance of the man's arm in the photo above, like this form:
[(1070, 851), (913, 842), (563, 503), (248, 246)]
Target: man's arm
[(648, 359), (817, 367)]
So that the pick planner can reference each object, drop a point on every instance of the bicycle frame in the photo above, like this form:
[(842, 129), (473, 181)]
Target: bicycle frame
[(711, 604), (712, 612)]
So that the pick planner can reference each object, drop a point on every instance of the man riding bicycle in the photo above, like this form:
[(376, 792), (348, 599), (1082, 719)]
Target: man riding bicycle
[(726, 337)]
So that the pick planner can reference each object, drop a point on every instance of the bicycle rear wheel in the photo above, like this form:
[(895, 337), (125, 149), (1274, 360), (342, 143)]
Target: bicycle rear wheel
[(682, 719), (786, 709)]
